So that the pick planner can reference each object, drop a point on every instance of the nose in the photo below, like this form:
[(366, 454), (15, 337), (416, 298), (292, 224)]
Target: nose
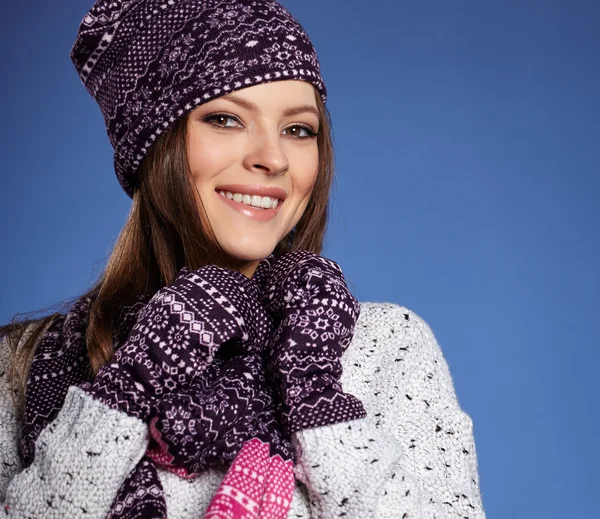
[(265, 153)]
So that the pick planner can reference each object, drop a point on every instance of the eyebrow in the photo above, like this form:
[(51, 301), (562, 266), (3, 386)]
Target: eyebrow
[(286, 113)]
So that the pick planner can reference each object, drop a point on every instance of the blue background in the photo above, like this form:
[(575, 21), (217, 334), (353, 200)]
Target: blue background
[(467, 137)]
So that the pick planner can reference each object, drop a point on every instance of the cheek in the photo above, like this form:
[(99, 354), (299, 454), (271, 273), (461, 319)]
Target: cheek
[(304, 180), (308, 167), (206, 158)]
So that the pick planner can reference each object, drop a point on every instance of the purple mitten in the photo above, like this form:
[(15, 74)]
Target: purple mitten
[(177, 335), (317, 313), (206, 424)]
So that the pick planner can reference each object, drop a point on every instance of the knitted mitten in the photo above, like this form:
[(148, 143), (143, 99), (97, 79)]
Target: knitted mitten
[(317, 313), (177, 335), (206, 424)]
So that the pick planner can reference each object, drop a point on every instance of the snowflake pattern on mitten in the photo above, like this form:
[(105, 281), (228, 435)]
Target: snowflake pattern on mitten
[(317, 317), (195, 366), (177, 335)]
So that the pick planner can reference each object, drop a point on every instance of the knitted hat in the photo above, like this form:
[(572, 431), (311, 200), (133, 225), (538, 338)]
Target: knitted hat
[(147, 63)]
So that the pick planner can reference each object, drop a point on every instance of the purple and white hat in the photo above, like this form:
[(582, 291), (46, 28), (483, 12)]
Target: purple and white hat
[(147, 63)]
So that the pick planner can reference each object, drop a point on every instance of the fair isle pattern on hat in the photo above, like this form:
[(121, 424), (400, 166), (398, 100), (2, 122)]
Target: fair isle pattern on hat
[(150, 62)]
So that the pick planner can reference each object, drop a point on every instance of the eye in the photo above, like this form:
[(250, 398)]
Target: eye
[(301, 132), (222, 120)]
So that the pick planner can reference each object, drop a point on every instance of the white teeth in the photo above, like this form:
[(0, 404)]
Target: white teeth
[(262, 202)]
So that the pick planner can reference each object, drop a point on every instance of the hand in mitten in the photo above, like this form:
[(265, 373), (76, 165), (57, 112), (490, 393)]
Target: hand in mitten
[(207, 423), (317, 313), (177, 335)]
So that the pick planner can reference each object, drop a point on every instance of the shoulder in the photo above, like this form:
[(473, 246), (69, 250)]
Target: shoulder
[(395, 350), (11, 344), (9, 416), (16, 335), (391, 329), (393, 319), (15, 360)]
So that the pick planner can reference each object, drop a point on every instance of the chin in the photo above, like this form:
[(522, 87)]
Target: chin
[(246, 252)]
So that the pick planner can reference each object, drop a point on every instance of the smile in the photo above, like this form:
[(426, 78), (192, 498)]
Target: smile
[(259, 214)]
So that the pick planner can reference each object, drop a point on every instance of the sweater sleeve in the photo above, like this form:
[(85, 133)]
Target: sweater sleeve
[(81, 458), (413, 456)]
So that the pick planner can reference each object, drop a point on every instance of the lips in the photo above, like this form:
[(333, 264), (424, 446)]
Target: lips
[(261, 215), (254, 189)]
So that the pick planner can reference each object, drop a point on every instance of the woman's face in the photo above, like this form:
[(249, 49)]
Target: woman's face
[(244, 144)]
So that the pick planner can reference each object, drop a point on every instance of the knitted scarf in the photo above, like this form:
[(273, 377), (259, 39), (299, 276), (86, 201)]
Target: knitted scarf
[(196, 428)]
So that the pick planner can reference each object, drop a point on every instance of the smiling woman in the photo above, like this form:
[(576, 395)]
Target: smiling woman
[(247, 145), (220, 366)]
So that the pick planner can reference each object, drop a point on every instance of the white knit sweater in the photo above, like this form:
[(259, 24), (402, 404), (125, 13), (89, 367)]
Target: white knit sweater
[(412, 457)]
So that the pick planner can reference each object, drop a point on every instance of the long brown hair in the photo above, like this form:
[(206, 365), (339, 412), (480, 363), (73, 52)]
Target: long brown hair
[(164, 231)]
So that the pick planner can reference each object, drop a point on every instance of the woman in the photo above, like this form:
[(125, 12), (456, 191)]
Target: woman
[(220, 366)]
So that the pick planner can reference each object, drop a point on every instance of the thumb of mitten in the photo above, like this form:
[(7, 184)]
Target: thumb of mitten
[(296, 277)]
